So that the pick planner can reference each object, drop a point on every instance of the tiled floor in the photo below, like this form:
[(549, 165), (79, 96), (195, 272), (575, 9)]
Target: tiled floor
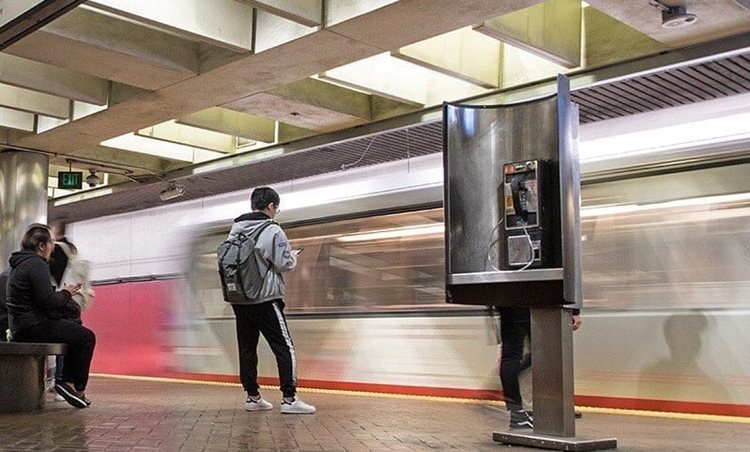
[(131, 415)]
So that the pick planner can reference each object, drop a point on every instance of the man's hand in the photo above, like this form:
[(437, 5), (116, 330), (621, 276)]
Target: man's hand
[(576, 321)]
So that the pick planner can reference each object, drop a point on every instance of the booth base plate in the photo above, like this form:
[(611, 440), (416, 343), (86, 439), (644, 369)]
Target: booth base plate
[(575, 443)]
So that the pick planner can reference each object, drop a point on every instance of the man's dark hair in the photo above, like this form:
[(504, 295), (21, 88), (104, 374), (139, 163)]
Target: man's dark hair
[(35, 235), (263, 196)]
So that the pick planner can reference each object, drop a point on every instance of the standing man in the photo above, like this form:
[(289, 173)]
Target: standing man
[(265, 314)]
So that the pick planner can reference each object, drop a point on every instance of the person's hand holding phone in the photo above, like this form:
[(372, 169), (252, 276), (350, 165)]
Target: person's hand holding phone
[(73, 288)]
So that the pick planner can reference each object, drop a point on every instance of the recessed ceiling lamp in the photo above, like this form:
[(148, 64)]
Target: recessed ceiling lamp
[(674, 16)]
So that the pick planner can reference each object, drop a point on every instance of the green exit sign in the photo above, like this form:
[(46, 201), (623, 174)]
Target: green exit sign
[(69, 179)]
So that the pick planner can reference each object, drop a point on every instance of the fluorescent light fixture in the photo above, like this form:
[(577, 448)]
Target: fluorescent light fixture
[(159, 148), (611, 210), (604, 211), (707, 123), (406, 231), (401, 80)]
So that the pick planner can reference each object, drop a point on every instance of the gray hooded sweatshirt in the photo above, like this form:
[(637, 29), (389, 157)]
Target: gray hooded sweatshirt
[(272, 253)]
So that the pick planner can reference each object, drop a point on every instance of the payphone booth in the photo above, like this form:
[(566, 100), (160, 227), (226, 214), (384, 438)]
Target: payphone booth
[(512, 213)]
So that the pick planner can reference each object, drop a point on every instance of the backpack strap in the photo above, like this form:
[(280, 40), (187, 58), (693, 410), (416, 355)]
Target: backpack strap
[(260, 229), (257, 234)]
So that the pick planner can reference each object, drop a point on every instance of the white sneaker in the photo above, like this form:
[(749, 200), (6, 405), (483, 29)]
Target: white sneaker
[(59, 398), (257, 405), (296, 407)]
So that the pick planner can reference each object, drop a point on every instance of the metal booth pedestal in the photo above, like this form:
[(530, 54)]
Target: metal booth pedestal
[(552, 380)]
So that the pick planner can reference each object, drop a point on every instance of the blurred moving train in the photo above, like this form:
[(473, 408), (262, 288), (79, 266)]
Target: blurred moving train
[(666, 261)]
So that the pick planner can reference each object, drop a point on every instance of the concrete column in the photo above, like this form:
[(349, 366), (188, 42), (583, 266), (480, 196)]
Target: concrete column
[(23, 197)]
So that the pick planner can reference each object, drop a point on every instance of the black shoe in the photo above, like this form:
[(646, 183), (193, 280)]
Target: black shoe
[(520, 419), (525, 362), (70, 395)]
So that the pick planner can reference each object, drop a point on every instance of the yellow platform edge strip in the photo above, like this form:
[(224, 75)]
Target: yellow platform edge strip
[(626, 412)]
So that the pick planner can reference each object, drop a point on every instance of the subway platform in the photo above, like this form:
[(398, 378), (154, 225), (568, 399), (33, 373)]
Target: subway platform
[(154, 415)]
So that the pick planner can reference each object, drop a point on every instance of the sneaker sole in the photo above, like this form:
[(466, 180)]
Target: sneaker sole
[(520, 427), (296, 412), (71, 398), (257, 408)]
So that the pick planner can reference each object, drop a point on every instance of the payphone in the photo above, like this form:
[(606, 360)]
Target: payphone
[(526, 194)]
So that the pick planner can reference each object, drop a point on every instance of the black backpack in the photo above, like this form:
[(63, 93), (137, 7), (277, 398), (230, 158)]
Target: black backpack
[(241, 280)]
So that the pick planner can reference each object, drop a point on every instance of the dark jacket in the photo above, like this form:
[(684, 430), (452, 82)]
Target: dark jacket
[(31, 298)]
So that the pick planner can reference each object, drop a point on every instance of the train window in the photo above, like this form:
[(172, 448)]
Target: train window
[(672, 241), (391, 262), (648, 244)]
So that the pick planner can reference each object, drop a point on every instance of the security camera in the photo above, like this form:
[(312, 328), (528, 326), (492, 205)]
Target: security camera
[(93, 180), (172, 191), (676, 16)]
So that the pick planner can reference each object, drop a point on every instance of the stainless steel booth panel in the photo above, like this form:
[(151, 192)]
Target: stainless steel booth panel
[(478, 141)]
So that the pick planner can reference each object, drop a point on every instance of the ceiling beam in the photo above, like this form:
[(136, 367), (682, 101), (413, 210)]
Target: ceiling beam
[(288, 133), (191, 136), (716, 19), (224, 23), (306, 12), (110, 48), (164, 149), (53, 80), (609, 41), (139, 163), (17, 120), (551, 30), (389, 25), (34, 102), (291, 61), (272, 31), (232, 122), (310, 104), (19, 20)]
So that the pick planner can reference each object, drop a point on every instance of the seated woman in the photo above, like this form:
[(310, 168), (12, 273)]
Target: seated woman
[(37, 313)]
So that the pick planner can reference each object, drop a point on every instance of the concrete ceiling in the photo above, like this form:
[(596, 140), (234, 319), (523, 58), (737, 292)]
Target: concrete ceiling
[(138, 89)]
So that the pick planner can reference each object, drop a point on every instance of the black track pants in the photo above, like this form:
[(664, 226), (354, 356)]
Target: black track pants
[(515, 327), (266, 319), (81, 342)]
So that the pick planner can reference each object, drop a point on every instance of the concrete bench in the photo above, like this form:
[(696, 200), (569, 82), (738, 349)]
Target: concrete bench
[(22, 375)]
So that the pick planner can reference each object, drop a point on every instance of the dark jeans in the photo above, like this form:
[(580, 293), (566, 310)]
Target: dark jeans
[(59, 363), (515, 327), (81, 342), (267, 319)]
